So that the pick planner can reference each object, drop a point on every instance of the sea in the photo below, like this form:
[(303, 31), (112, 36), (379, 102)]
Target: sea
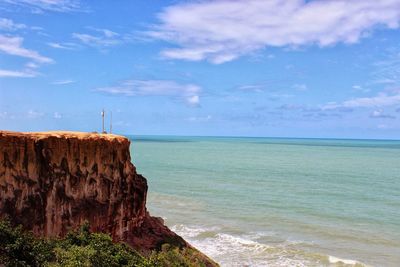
[(277, 201)]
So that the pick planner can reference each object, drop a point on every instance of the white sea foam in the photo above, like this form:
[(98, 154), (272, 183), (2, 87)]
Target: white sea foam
[(230, 250), (192, 232), (244, 250), (333, 259)]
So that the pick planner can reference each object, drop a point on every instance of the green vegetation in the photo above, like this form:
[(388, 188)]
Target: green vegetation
[(83, 249)]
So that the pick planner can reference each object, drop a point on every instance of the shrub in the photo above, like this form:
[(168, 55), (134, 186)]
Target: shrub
[(82, 248), (20, 248)]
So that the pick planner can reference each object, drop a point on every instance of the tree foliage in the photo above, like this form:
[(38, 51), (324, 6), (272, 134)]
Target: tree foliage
[(82, 248)]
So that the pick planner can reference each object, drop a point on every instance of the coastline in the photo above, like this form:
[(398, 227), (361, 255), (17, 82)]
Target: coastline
[(52, 183)]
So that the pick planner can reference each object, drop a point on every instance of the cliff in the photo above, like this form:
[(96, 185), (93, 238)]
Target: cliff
[(53, 182)]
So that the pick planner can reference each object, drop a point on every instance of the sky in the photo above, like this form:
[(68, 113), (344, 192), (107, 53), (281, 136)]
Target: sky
[(294, 68)]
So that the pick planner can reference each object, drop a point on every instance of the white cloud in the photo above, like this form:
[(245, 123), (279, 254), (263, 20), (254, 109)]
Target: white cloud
[(99, 38), (189, 92), (383, 126), (38, 6), (9, 25), (275, 96), (381, 100), (31, 65), (193, 100), (385, 81), (92, 40), (17, 74), (32, 114), (387, 70), (220, 31), (63, 82), (13, 46), (3, 115), (360, 88), (300, 87), (376, 101), (67, 46), (106, 32), (253, 88), (57, 115), (102, 38), (381, 115), (200, 119)]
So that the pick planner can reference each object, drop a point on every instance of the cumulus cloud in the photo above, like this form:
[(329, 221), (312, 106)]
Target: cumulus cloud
[(32, 114), (381, 100), (221, 31), (12, 45), (381, 115), (300, 87), (39, 6), (9, 25), (188, 92), (193, 100), (57, 115)]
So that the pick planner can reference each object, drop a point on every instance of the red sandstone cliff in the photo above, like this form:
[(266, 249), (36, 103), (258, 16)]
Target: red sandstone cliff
[(52, 182)]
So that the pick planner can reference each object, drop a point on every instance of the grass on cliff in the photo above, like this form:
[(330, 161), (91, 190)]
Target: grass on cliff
[(82, 248)]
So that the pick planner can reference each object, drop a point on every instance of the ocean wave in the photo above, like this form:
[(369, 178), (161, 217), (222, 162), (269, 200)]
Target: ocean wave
[(244, 250), (335, 260)]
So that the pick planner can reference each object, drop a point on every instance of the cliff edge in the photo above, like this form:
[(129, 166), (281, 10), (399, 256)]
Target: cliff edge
[(52, 182)]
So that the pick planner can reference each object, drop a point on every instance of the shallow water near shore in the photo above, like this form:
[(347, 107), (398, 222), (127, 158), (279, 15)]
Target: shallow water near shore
[(277, 202)]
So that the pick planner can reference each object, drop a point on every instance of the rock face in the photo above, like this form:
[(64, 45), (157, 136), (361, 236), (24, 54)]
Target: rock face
[(53, 182)]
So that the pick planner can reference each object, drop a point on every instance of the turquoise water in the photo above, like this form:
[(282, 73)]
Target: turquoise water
[(277, 202)]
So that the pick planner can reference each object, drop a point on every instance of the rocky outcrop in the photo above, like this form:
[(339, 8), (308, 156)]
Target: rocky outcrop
[(53, 182)]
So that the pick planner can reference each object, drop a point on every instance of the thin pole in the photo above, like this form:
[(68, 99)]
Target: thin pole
[(110, 122), (102, 117)]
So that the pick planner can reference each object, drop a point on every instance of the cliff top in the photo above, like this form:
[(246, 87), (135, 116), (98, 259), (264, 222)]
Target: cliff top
[(64, 134)]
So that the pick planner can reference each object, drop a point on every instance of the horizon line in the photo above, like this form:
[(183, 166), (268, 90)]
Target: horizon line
[(271, 137)]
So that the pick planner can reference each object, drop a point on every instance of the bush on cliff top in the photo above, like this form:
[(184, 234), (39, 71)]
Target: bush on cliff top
[(80, 249)]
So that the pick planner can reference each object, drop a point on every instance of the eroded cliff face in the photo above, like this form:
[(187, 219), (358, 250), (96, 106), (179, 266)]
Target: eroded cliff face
[(53, 182)]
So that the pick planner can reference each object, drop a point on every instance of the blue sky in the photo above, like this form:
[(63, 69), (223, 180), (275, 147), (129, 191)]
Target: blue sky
[(233, 68)]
